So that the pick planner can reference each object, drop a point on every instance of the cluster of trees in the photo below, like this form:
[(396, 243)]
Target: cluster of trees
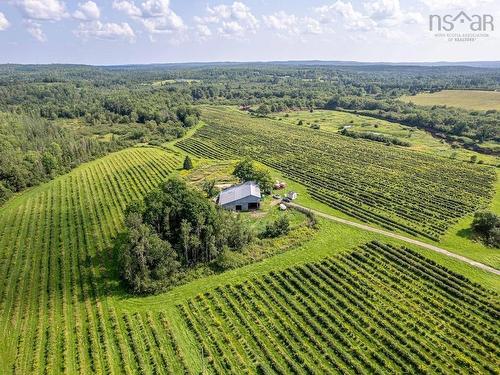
[(162, 110), (486, 227), (277, 228), (175, 228), (246, 170), (453, 122), (375, 137), (34, 150)]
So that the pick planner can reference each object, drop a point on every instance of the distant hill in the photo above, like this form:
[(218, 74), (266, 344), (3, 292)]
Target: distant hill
[(337, 63)]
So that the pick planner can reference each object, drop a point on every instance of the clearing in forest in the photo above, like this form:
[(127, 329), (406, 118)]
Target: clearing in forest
[(468, 99)]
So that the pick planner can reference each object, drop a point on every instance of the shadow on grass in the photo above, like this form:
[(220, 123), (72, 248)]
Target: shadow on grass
[(107, 277), (465, 233)]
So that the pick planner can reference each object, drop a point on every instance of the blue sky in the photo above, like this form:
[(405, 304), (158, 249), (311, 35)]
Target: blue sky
[(159, 31)]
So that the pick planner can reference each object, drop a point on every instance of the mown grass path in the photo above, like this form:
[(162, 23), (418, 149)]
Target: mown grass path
[(398, 237)]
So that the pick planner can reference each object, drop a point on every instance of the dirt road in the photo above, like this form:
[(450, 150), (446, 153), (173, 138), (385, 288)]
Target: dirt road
[(398, 237)]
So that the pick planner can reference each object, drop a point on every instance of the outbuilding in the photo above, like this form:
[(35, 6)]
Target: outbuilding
[(242, 197), (292, 195)]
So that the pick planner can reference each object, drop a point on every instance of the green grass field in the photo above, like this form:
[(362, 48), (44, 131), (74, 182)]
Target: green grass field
[(63, 311), (468, 99)]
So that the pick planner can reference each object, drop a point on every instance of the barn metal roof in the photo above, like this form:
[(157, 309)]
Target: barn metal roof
[(237, 192)]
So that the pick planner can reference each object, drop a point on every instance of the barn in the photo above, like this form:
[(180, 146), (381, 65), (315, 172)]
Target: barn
[(243, 197)]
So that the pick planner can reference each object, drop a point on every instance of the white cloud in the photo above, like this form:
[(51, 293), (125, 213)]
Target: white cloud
[(105, 31), (127, 7), (4, 22), (155, 8), (455, 4), (312, 26), (232, 21), (35, 29), (42, 10), (203, 31), (283, 22), (155, 15), (88, 11), (382, 16), (164, 25), (352, 19), (290, 24), (389, 13), (382, 9)]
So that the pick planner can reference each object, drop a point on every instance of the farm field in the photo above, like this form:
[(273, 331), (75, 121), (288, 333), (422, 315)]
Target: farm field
[(377, 309), (366, 180), (54, 249), (420, 140), (468, 99), (63, 311)]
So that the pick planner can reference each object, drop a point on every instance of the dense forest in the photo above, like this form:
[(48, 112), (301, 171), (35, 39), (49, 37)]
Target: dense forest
[(53, 117), (34, 150)]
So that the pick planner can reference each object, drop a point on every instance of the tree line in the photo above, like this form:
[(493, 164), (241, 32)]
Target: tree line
[(34, 150), (458, 124)]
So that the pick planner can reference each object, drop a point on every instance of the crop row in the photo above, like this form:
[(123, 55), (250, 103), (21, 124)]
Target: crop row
[(396, 188), (377, 309), (55, 316)]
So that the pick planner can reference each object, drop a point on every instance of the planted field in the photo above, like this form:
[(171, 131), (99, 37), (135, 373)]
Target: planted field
[(398, 189), (377, 309), (468, 99), (54, 312)]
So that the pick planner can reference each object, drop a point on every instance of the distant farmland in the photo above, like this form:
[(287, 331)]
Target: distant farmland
[(468, 99)]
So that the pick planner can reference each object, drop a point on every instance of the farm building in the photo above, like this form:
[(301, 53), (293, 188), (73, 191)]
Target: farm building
[(292, 195), (243, 197)]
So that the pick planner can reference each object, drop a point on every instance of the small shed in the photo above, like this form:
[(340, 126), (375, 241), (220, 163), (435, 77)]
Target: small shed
[(242, 197), (292, 195), (282, 207)]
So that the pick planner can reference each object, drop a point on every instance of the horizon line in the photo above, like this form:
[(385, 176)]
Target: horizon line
[(317, 61)]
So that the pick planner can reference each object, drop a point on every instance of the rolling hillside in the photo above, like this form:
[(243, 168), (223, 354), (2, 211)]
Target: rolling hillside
[(54, 314), (62, 310), (398, 189)]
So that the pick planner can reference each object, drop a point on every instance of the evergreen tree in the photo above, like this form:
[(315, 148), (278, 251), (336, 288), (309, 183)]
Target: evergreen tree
[(188, 164)]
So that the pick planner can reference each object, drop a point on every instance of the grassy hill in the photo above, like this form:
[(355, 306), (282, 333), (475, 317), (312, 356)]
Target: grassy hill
[(54, 279), (62, 309)]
